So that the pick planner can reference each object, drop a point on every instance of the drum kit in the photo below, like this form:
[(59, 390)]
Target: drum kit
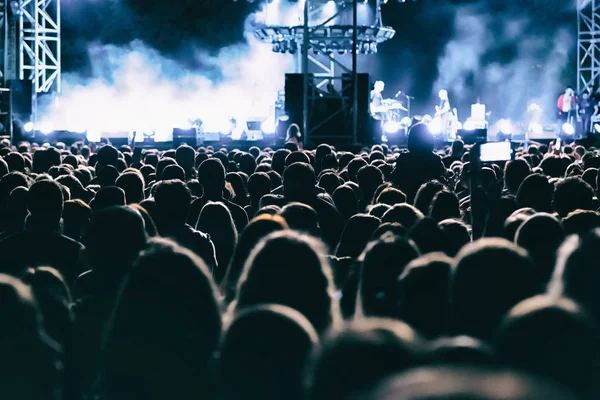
[(389, 110)]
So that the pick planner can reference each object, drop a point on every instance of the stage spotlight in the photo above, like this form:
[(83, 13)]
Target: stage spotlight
[(268, 127), (28, 127), (536, 128), (392, 127), (469, 126), (568, 129), (406, 121), (46, 129), (436, 126), (505, 127), (93, 136)]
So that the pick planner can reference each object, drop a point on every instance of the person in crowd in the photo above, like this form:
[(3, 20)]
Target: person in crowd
[(264, 281), (423, 292), (211, 175), (356, 235), (44, 202), (264, 354), (216, 221), (419, 165), (165, 329), (173, 199), (31, 366), (481, 273), (299, 186), (537, 324), (361, 355)]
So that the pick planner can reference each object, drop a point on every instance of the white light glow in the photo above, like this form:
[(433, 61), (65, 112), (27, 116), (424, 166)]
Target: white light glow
[(28, 127), (46, 128), (436, 126), (268, 127), (505, 127), (93, 136), (536, 128), (392, 127), (568, 129)]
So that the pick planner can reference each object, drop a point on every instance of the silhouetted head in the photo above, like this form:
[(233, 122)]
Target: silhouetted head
[(425, 195), (572, 194), (113, 240), (133, 186), (165, 327), (298, 181), (368, 179), (302, 218), (282, 269), (535, 192), (404, 214), (541, 235), (107, 155), (345, 201), (356, 235), (15, 162), (515, 173), (186, 157), (264, 353), (383, 262), (552, 338), (45, 201), (423, 294), (162, 165), (110, 196), (76, 217), (577, 273), (420, 139), (444, 206), (391, 196), (172, 200), (354, 166), (474, 383), (330, 181), (456, 235), (488, 278), (211, 175), (278, 161), (107, 175), (361, 355), (30, 367)]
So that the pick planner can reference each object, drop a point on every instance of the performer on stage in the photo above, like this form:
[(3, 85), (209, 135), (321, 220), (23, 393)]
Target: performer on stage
[(566, 106), (377, 108), (444, 112), (585, 109)]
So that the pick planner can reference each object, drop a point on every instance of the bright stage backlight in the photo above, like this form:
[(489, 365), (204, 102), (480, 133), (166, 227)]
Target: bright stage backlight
[(93, 136), (568, 128), (536, 128), (268, 127), (28, 127), (505, 127), (436, 126), (392, 127), (46, 128)]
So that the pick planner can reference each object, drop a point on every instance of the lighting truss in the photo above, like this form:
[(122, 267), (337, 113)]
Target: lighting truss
[(588, 44), (40, 46)]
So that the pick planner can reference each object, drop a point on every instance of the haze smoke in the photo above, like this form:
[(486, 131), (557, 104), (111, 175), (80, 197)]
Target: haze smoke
[(501, 60), (135, 87)]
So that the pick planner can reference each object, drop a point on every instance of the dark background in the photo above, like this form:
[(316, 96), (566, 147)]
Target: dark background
[(507, 68)]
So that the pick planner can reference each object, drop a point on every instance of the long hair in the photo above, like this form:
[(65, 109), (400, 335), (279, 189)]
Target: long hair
[(293, 132)]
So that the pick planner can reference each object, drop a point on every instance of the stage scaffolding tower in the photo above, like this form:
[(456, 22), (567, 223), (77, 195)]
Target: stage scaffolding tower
[(320, 47), (588, 45), (40, 47)]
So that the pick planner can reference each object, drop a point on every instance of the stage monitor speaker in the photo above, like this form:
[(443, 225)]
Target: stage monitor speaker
[(473, 136), (22, 92), (365, 128)]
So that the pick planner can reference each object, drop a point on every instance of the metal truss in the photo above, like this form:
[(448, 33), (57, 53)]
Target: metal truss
[(588, 44), (40, 46), (319, 47)]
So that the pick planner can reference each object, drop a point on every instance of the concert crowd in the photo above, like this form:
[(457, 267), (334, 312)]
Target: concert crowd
[(322, 274)]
